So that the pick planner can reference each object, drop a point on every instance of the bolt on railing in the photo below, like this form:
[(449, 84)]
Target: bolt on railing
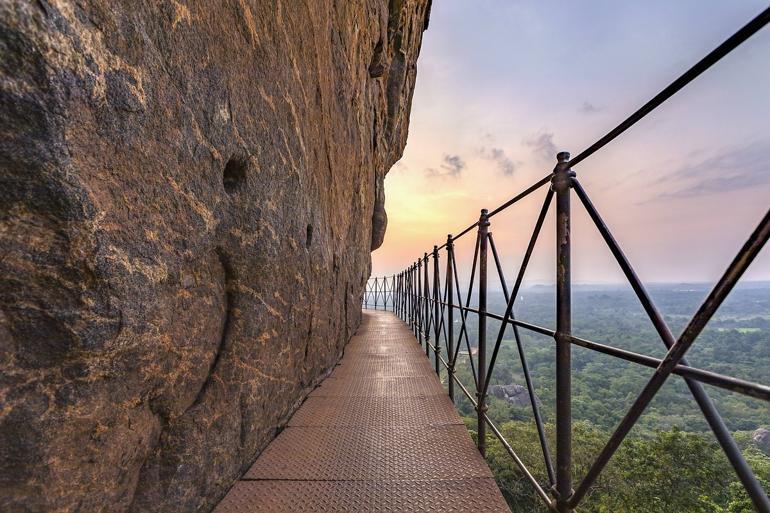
[(409, 295)]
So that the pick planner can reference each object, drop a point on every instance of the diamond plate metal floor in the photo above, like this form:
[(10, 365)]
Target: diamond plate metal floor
[(379, 434)]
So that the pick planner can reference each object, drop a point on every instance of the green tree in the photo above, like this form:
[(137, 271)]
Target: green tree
[(673, 471)]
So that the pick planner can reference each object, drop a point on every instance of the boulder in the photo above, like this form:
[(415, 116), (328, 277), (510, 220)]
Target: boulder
[(761, 438), (513, 394)]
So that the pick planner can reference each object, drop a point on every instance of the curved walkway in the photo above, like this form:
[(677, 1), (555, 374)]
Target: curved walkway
[(379, 434)]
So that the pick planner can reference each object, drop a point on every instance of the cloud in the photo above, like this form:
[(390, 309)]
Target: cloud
[(731, 169), (451, 166), (542, 145), (498, 156), (589, 108)]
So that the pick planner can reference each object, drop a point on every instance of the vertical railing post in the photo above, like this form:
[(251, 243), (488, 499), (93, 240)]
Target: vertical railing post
[(384, 285), (396, 280), (561, 185), (402, 302), (393, 294), (450, 317), (408, 295), (402, 291), (436, 309), (414, 301), (405, 295), (426, 305), (419, 301), (397, 297), (411, 298), (406, 291), (481, 408)]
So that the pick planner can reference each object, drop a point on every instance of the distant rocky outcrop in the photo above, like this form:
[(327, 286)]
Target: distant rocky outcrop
[(189, 192), (513, 394), (761, 438)]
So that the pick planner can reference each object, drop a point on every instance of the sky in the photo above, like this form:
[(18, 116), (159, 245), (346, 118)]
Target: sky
[(502, 85)]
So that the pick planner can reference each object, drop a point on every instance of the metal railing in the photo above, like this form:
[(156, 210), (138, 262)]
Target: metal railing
[(378, 293), (428, 303)]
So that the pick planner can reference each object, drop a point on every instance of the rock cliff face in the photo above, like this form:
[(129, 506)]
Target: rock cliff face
[(189, 191)]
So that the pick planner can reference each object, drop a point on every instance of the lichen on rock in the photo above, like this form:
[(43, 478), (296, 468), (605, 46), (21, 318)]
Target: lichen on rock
[(189, 193)]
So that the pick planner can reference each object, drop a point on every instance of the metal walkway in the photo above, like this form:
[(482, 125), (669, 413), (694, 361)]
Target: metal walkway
[(379, 434)]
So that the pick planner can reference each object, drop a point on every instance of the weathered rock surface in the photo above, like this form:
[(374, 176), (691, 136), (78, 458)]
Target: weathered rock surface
[(761, 438), (189, 191), (513, 394)]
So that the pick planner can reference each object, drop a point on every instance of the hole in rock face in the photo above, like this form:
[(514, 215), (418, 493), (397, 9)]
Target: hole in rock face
[(309, 236), (234, 176), (377, 66)]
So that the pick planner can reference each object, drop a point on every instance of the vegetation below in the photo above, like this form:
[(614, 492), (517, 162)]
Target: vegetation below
[(671, 460), (669, 471)]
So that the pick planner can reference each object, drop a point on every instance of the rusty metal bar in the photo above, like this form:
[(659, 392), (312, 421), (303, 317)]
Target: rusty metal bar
[(427, 298), (417, 309), (402, 303), (561, 185), (442, 310), (419, 302), (405, 291), (408, 296), (404, 298), (412, 292), (481, 407), (424, 304), (393, 294), (450, 317), (436, 301), (413, 306), (397, 301)]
